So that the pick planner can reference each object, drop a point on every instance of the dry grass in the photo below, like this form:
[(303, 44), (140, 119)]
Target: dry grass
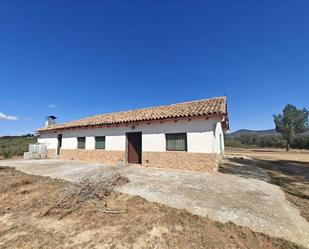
[(143, 225), (272, 154), (289, 170), (87, 191)]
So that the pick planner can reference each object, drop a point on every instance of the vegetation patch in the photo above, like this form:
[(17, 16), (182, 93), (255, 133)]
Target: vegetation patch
[(15, 146), (265, 141)]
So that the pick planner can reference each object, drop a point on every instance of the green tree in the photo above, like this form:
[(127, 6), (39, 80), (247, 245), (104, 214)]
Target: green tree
[(293, 121)]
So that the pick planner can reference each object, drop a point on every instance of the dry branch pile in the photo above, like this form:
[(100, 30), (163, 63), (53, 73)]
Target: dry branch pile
[(89, 190)]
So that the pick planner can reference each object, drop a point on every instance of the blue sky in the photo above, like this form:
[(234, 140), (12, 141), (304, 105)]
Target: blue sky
[(79, 58)]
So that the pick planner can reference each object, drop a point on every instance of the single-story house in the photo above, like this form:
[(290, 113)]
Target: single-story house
[(186, 136)]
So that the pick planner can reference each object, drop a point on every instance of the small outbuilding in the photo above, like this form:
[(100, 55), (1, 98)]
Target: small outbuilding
[(186, 136)]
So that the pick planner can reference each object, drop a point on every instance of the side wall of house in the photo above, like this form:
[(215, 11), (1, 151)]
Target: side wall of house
[(203, 144)]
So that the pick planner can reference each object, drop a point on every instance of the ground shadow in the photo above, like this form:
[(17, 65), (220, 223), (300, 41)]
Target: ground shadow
[(291, 176), (244, 167)]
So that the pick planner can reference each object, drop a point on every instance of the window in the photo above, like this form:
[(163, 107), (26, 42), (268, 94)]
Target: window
[(176, 142), (100, 142), (81, 142)]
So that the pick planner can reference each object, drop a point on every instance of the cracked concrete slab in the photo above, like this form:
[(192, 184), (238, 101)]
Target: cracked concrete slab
[(224, 197)]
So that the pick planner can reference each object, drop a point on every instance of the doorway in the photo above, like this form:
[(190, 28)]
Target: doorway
[(134, 147), (59, 144)]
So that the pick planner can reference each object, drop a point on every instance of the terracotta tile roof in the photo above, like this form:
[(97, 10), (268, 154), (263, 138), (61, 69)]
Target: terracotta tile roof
[(203, 107)]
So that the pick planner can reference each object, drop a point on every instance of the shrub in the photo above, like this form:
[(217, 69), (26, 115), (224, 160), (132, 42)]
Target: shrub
[(270, 141), (15, 145)]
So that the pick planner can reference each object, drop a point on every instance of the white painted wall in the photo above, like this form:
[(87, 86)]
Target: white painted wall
[(219, 135), (90, 143), (50, 139), (202, 136)]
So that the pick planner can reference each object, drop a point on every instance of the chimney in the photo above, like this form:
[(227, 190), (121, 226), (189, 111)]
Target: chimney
[(50, 120)]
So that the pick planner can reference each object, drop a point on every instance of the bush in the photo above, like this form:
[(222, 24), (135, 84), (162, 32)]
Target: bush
[(15, 145), (270, 141), (300, 142)]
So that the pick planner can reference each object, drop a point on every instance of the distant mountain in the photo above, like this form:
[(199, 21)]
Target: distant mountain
[(269, 132), (251, 132)]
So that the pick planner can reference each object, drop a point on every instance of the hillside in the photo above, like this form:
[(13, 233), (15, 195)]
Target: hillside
[(251, 132), (11, 146), (264, 138), (269, 132)]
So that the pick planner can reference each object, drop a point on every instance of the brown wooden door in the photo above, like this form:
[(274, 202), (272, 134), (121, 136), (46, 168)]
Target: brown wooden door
[(59, 143), (134, 147)]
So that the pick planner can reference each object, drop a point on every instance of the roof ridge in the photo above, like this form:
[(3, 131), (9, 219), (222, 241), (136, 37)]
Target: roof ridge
[(146, 108), (181, 109)]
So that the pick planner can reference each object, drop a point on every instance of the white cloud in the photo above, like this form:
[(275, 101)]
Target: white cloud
[(53, 106), (6, 117)]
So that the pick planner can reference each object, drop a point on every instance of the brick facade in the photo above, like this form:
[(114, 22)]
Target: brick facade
[(202, 162), (99, 156), (51, 153)]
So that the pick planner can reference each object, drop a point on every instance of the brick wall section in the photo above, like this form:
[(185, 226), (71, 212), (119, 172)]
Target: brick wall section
[(51, 153), (170, 159), (99, 156), (181, 160)]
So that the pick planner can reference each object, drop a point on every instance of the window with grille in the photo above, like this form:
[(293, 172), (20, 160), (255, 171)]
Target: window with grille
[(176, 142), (100, 142), (81, 142)]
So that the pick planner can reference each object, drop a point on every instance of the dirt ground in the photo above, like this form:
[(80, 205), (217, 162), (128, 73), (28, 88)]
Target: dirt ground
[(289, 170), (142, 224), (271, 154), (245, 197)]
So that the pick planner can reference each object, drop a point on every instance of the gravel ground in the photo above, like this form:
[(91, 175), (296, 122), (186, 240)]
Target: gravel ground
[(224, 197)]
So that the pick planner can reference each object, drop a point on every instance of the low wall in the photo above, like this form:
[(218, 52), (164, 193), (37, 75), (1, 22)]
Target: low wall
[(181, 160), (99, 156), (51, 153)]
